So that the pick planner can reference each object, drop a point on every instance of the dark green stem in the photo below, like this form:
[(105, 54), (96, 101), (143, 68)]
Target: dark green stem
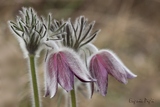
[(34, 84), (73, 98)]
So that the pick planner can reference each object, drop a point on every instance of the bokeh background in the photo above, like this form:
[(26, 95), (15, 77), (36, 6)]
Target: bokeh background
[(131, 28)]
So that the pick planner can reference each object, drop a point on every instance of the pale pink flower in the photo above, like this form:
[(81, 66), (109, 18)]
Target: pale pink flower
[(106, 62), (61, 67)]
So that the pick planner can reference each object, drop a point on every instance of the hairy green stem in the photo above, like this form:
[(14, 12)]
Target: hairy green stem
[(34, 84), (73, 98)]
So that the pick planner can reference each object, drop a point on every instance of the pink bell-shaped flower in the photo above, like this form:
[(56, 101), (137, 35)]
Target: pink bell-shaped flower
[(61, 67), (106, 62)]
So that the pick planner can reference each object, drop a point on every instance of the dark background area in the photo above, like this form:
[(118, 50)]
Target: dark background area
[(131, 28)]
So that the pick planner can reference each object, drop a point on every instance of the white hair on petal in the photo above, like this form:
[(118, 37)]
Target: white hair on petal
[(118, 60)]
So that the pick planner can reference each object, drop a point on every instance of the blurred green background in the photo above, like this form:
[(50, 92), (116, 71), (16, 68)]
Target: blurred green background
[(131, 28)]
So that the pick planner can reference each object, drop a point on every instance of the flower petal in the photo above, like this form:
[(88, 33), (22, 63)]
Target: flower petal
[(76, 66), (115, 67), (100, 73), (51, 76), (65, 75)]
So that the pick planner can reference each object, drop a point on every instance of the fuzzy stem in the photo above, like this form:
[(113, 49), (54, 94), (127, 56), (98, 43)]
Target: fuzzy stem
[(34, 84), (73, 98)]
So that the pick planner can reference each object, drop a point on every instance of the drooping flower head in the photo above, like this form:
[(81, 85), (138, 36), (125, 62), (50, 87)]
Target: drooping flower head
[(61, 68), (106, 62)]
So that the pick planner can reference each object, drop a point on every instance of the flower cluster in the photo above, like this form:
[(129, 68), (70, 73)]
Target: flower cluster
[(70, 52), (75, 55)]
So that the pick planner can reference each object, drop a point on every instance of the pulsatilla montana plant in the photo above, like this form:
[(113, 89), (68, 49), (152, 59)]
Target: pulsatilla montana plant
[(70, 54)]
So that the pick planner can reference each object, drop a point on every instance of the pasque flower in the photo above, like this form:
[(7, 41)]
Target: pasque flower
[(106, 62), (61, 67), (64, 62)]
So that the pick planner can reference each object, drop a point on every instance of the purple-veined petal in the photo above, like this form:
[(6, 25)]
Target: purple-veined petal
[(76, 66), (65, 75), (100, 73), (114, 66), (51, 74)]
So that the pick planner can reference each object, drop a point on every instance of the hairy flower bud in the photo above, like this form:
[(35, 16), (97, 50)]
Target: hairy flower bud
[(29, 30)]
